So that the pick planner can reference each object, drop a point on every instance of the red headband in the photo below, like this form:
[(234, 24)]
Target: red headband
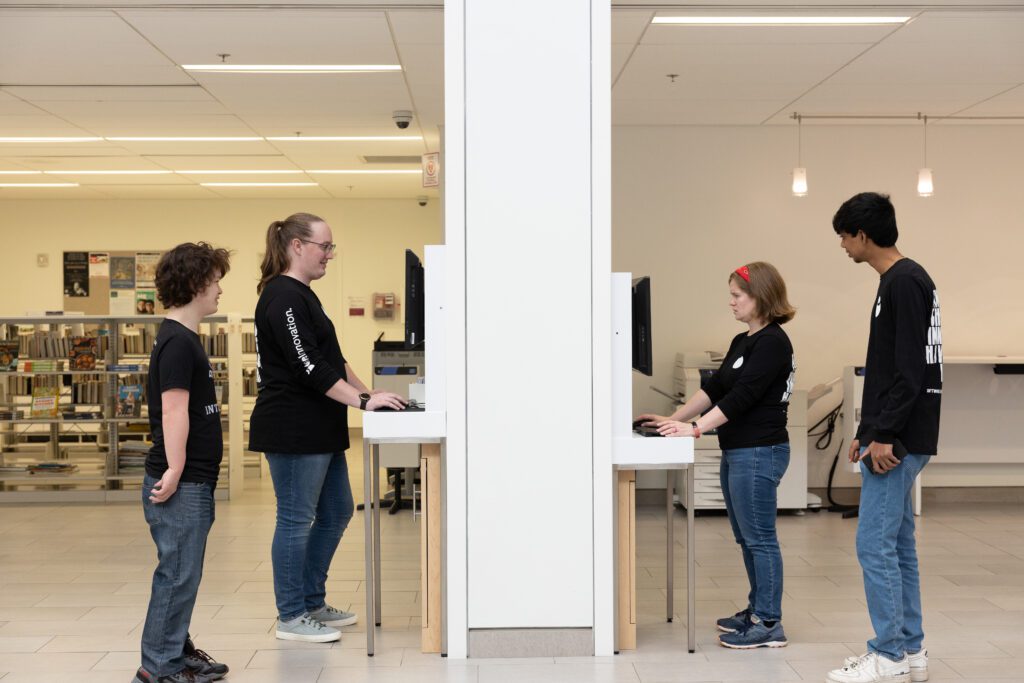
[(744, 273)]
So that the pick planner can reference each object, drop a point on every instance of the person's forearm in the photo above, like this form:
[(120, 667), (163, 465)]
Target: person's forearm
[(175, 425), (354, 380), (713, 420), (695, 406), (343, 392)]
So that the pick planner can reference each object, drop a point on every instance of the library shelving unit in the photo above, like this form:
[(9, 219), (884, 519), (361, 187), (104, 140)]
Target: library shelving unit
[(92, 448)]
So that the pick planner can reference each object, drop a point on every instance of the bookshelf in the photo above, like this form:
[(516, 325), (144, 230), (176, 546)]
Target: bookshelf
[(97, 456)]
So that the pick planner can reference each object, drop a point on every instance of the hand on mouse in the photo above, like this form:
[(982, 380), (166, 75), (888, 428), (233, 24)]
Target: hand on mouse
[(385, 399)]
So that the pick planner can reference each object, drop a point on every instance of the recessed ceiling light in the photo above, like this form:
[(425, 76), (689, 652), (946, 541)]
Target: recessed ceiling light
[(246, 172), (148, 172), (345, 138), (46, 139), (779, 21), (259, 184), (186, 139), (292, 68), (38, 184), (368, 171)]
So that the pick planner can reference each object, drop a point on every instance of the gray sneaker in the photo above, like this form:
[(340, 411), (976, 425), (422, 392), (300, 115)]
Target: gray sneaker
[(334, 617), (918, 664), (307, 630)]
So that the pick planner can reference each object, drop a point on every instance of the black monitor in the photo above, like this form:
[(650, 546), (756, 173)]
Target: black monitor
[(643, 356), (414, 307)]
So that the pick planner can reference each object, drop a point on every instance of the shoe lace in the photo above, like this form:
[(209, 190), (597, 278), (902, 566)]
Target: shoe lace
[(200, 654), (314, 623), (860, 661)]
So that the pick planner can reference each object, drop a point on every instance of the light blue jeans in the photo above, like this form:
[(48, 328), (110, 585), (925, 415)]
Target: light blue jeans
[(888, 555), (314, 506), (750, 481)]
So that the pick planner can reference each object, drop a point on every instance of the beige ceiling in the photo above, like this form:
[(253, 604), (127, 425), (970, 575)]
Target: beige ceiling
[(80, 70)]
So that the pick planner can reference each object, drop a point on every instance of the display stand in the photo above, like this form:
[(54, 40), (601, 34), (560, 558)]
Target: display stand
[(631, 452), (426, 428)]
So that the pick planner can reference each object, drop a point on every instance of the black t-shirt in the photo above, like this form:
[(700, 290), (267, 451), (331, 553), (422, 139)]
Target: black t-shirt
[(752, 388), (298, 360), (903, 371), (178, 361)]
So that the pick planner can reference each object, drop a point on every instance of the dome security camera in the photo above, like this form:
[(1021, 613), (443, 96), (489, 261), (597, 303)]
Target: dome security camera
[(402, 117), (422, 200)]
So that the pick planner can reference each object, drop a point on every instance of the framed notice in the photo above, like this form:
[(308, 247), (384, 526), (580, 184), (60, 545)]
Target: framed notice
[(431, 169)]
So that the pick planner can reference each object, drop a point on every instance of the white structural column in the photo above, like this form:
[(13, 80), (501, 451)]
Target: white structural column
[(527, 229)]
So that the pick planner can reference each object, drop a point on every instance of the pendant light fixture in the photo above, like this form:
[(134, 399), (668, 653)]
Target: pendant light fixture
[(799, 173), (925, 186)]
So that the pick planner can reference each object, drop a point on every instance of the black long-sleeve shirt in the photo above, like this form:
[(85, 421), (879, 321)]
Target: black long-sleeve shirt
[(298, 360), (903, 371), (752, 388)]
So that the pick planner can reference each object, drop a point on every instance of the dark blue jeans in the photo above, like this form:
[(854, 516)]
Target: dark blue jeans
[(314, 506), (179, 528), (750, 479)]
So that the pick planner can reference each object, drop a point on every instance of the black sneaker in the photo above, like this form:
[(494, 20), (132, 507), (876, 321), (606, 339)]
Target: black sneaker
[(186, 675), (202, 663)]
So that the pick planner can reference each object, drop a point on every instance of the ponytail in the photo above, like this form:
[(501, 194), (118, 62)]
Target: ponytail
[(279, 235)]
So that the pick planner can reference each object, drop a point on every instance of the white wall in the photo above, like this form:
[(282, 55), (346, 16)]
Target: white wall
[(372, 236), (690, 204)]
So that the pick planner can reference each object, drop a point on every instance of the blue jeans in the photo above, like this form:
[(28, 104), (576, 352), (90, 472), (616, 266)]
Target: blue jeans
[(888, 555), (750, 479), (314, 505), (179, 528)]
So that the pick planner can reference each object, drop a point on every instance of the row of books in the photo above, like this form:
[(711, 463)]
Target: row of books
[(250, 386), (46, 403), (131, 456), (44, 348)]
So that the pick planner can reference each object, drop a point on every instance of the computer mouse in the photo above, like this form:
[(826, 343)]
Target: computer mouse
[(638, 423)]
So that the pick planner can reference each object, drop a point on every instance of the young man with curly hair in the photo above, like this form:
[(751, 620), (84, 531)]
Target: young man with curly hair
[(183, 464)]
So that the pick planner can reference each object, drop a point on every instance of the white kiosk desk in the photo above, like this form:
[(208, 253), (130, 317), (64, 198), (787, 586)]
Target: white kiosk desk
[(427, 428), (631, 452), (424, 428)]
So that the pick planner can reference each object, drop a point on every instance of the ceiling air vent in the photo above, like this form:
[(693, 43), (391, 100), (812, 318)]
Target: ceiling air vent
[(396, 159)]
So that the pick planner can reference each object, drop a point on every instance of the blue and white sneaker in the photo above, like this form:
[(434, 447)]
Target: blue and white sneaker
[(756, 634), (736, 622), (334, 617)]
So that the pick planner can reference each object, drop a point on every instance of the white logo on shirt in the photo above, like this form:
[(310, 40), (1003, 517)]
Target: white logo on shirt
[(878, 306), (738, 364), (294, 330), (789, 382)]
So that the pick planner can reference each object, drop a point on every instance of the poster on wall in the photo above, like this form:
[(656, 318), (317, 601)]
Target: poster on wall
[(76, 273), (99, 264), (122, 302), (122, 272), (145, 268), (145, 302)]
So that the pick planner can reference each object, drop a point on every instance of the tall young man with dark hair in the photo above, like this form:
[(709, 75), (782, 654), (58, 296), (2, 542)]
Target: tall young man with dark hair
[(898, 435), (183, 464)]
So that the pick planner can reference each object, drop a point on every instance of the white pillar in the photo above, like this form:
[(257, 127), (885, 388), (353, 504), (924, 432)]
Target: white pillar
[(528, 228)]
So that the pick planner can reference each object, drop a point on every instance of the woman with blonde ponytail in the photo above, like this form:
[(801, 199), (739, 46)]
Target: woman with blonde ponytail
[(300, 423)]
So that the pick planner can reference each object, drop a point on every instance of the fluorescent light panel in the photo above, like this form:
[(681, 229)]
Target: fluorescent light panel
[(345, 138), (779, 21), (49, 139), (259, 184), (293, 68), (375, 171), (38, 184), (187, 139), (20, 172), (149, 172), (221, 172)]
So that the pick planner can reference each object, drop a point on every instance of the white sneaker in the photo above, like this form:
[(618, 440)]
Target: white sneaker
[(872, 668), (918, 664), (305, 629)]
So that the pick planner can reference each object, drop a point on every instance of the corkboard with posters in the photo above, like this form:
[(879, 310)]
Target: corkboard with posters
[(118, 283)]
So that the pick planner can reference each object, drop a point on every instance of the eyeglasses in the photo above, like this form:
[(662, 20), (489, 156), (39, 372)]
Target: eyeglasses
[(328, 247)]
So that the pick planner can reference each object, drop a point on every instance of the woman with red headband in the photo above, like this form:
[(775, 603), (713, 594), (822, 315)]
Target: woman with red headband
[(747, 401)]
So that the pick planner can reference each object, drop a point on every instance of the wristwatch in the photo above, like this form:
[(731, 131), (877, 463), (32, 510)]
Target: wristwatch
[(363, 398), (696, 430)]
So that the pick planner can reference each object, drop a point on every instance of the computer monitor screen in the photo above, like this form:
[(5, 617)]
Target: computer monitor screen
[(642, 354), (414, 307)]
